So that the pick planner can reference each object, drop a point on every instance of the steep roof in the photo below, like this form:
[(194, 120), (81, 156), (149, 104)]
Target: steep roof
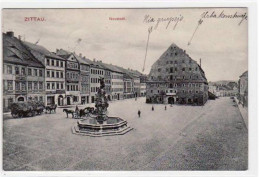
[(40, 52), (175, 57), (15, 52), (109, 67)]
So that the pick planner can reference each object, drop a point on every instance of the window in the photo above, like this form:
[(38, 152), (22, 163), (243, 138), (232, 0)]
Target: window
[(40, 98), (176, 69), (23, 71), (151, 91), (36, 98), (61, 86), (175, 53), (9, 69), (58, 63), (29, 85), (190, 69), (48, 86), (183, 77), (40, 73), (17, 70), (35, 72), (52, 62), (68, 88), (40, 85), (35, 86), (29, 71), (23, 86), (196, 69), (48, 62), (48, 73), (17, 85), (52, 85), (58, 85), (183, 69), (61, 74), (52, 74), (9, 85), (61, 64), (57, 74)]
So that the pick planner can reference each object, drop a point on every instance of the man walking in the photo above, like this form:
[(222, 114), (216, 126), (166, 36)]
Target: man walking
[(139, 113)]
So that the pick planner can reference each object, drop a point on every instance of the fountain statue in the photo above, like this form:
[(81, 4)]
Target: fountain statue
[(100, 124), (101, 102)]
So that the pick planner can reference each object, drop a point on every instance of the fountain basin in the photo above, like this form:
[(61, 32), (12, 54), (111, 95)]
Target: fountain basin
[(109, 127)]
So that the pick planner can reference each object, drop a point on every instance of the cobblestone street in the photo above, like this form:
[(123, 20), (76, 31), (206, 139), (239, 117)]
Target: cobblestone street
[(209, 137)]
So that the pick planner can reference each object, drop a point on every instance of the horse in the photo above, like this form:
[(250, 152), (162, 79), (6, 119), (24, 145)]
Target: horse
[(90, 109), (69, 112), (51, 108)]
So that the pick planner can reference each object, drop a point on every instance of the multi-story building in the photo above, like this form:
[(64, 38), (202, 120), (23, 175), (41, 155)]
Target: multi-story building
[(128, 86), (96, 72), (84, 78), (54, 73), (23, 74), (114, 78), (176, 78), (72, 78), (243, 89)]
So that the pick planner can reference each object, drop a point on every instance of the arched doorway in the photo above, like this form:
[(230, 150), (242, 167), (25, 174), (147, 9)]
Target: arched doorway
[(170, 100), (68, 101), (60, 100), (20, 99)]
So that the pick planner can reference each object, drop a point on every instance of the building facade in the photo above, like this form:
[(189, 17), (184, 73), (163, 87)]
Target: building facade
[(23, 74), (96, 72), (54, 74), (84, 79), (243, 89), (176, 78)]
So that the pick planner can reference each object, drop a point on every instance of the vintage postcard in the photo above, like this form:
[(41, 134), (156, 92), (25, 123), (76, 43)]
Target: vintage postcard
[(151, 89)]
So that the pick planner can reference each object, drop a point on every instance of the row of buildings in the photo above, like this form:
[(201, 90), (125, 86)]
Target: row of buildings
[(224, 88), (176, 78), (31, 72)]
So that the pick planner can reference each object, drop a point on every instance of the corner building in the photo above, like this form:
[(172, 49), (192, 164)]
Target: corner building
[(175, 78)]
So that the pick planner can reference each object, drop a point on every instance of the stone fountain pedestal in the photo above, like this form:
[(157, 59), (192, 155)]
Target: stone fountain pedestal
[(101, 124)]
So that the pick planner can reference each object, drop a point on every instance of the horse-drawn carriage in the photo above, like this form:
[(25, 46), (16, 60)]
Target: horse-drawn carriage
[(26, 109), (88, 111)]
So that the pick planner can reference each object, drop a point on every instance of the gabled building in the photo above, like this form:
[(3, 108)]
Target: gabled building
[(84, 78), (54, 73), (97, 71), (72, 79), (176, 78), (23, 74)]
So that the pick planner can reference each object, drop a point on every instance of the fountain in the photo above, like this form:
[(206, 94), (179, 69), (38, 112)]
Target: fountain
[(101, 124)]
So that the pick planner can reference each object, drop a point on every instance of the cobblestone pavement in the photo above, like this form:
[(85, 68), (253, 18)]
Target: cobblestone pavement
[(210, 137)]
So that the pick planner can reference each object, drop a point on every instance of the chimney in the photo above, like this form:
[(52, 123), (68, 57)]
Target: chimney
[(200, 62), (80, 54), (20, 37), (94, 59), (84, 57), (10, 33), (184, 51)]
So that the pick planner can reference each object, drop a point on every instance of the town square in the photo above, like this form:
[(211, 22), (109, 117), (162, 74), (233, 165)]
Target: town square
[(180, 138)]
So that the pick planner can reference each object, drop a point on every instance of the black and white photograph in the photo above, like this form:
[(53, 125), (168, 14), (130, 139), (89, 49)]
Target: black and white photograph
[(125, 89)]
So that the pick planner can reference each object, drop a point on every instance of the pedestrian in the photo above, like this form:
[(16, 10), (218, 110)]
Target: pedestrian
[(152, 108), (165, 108), (77, 111), (139, 113)]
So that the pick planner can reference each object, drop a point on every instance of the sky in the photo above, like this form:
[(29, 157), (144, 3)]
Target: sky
[(221, 43)]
